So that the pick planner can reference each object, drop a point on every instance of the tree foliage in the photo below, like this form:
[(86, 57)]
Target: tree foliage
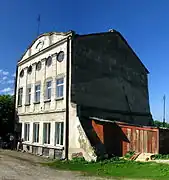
[(160, 124), (7, 119)]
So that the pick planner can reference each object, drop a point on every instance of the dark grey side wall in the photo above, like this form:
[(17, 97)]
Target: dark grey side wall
[(108, 80)]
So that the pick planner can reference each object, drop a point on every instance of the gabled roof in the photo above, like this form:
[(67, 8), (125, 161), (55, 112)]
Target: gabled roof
[(92, 34), (42, 35)]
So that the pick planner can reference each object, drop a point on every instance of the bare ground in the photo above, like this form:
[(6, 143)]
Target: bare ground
[(23, 166)]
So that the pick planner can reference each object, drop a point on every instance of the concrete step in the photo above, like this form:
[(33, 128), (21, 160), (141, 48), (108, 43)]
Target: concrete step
[(144, 157)]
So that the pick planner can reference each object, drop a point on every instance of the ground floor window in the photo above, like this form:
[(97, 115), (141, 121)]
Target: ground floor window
[(59, 133), (35, 132), (26, 131), (46, 133)]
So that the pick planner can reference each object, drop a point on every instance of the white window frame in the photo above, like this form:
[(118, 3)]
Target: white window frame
[(59, 85), (37, 91), (46, 139), (20, 96), (59, 140), (48, 88), (26, 131), (28, 95), (36, 133)]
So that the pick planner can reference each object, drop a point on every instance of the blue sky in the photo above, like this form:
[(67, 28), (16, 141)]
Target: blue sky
[(144, 24)]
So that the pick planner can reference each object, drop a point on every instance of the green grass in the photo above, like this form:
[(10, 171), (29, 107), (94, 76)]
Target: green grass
[(129, 154), (161, 156), (116, 168)]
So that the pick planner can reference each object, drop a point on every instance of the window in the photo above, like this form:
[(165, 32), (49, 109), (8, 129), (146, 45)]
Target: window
[(59, 87), (59, 133), (27, 130), (28, 95), (46, 133), (20, 94), (37, 93), (35, 132), (48, 89), (49, 61), (38, 66), (21, 73), (60, 56), (29, 69)]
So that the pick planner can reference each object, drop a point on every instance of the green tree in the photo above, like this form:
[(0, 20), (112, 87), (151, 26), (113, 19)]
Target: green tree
[(7, 110), (160, 124)]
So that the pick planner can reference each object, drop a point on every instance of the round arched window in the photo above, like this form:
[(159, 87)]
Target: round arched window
[(60, 56), (29, 69), (49, 61), (38, 66), (21, 73)]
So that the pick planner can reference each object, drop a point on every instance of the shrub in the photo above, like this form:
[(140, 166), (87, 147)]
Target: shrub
[(160, 156), (129, 154)]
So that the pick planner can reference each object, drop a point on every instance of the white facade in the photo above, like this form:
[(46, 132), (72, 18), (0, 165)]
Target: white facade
[(41, 99), (43, 104)]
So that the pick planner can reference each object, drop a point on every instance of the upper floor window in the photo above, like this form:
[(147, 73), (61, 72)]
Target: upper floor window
[(48, 89), (38, 66), (49, 61), (59, 87), (21, 73), (60, 56), (28, 95), (20, 95), (29, 69), (37, 93)]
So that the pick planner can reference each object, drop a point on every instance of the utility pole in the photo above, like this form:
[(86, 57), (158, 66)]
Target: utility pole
[(38, 30), (164, 99)]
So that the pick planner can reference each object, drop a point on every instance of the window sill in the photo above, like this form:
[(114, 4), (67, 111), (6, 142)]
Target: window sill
[(47, 100), (60, 147), (36, 102), (59, 98), (19, 105), (27, 104), (46, 145), (35, 144)]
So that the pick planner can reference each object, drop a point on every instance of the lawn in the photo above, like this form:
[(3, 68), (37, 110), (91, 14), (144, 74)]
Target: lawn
[(116, 168)]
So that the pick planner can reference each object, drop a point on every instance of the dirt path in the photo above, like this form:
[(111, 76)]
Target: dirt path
[(23, 166)]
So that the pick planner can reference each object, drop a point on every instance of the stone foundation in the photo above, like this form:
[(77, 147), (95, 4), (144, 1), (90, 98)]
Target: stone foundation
[(52, 153)]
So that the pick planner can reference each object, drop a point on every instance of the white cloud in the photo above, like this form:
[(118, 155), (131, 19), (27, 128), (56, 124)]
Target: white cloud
[(4, 78), (7, 90), (5, 73)]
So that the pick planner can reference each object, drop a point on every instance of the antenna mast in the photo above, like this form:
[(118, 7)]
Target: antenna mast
[(38, 20), (164, 98)]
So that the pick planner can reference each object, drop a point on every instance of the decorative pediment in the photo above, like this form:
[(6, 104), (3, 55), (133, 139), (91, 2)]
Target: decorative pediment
[(42, 42)]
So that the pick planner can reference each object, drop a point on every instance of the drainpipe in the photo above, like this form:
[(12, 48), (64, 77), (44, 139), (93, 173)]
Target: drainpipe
[(15, 92), (67, 100)]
